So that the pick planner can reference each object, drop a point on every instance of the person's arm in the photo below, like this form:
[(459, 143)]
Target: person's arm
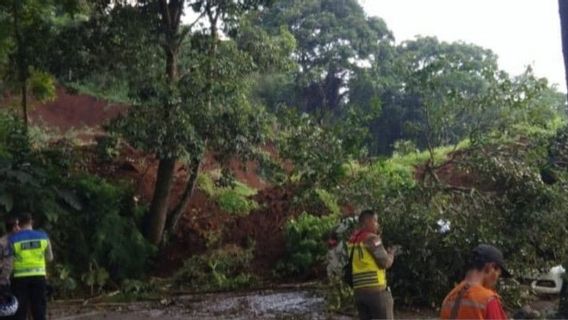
[(48, 252), (383, 258), (5, 264), (494, 310)]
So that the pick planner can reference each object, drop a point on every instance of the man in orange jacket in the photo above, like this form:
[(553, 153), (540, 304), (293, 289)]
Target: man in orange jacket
[(475, 296)]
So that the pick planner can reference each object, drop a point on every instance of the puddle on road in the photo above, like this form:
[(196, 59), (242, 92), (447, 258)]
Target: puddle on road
[(301, 304), (266, 305)]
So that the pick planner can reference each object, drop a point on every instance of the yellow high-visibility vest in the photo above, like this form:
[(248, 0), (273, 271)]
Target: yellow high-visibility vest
[(29, 247), (366, 272)]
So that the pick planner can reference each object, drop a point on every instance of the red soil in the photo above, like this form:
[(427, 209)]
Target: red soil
[(70, 111), (203, 219)]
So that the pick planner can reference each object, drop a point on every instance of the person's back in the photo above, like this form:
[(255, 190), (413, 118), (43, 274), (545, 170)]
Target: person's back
[(30, 247), (31, 250), (469, 302)]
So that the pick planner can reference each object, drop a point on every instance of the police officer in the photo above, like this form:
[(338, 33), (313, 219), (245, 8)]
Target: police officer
[(370, 260), (31, 249)]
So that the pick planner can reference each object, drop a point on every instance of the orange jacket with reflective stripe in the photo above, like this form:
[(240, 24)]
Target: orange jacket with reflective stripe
[(473, 303)]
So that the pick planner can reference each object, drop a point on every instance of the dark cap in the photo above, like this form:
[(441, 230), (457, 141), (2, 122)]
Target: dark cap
[(490, 254)]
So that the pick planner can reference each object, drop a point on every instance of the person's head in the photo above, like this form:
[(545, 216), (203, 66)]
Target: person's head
[(488, 261), (369, 221), (25, 220), (11, 224), (332, 240)]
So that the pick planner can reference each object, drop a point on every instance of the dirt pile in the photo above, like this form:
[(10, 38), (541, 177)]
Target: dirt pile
[(74, 111), (205, 222), (451, 173), (265, 226)]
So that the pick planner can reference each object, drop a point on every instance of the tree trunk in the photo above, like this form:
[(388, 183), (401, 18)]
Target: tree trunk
[(25, 104), (563, 8), (171, 65), (21, 63), (174, 217), (170, 13), (159, 207)]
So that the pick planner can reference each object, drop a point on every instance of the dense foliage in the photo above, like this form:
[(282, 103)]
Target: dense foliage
[(224, 268), (92, 223), (494, 194), (305, 244), (447, 147)]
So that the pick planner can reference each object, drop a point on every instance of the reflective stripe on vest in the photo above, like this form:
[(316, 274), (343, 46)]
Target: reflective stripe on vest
[(473, 304), (366, 272), (465, 303), (29, 257)]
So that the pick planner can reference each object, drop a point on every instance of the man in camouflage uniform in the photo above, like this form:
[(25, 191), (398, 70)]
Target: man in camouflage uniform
[(12, 227)]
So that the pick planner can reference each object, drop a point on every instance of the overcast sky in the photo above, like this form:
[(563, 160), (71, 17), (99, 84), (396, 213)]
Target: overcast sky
[(520, 32)]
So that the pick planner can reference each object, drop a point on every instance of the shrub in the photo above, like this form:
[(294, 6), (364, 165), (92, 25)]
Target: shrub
[(438, 225), (373, 185), (206, 184), (232, 199), (329, 200), (62, 281), (107, 148), (232, 202), (110, 226), (305, 243), (339, 296), (226, 268), (93, 224)]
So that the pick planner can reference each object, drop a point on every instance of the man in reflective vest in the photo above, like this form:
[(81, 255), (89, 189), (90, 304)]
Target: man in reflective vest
[(475, 296), (31, 249), (369, 263)]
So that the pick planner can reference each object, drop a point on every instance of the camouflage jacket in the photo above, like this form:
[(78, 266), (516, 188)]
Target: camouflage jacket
[(5, 261)]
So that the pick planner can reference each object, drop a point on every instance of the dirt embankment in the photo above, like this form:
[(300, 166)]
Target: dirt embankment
[(69, 111), (203, 219)]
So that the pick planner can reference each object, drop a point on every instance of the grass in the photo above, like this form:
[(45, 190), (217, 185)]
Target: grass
[(413, 159), (116, 92), (234, 199), (244, 190)]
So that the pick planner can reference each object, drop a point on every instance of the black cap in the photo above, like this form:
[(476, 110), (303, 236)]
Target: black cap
[(489, 253)]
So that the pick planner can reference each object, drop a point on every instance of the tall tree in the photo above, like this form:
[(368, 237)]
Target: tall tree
[(193, 95), (563, 8), (26, 25), (335, 38)]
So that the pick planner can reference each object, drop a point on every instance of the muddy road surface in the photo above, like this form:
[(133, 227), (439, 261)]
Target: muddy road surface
[(267, 304), (255, 305)]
